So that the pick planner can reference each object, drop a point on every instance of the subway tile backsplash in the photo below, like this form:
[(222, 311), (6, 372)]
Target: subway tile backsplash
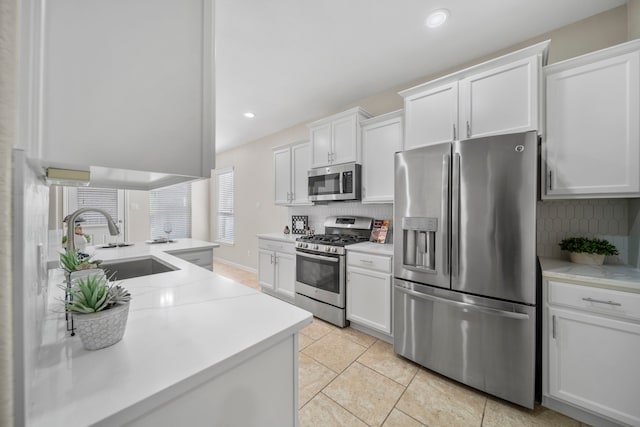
[(597, 218)]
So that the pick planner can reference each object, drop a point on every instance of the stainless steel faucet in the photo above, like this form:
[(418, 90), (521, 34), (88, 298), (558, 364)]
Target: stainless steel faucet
[(71, 220)]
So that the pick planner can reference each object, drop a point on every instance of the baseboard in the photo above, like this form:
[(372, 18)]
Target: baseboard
[(233, 264), (376, 334)]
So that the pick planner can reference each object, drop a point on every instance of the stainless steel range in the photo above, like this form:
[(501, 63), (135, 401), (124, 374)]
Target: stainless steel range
[(321, 267)]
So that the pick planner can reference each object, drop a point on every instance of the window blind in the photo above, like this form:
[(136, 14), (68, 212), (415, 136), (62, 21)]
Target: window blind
[(102, 198), (225, 205), (171, 205)]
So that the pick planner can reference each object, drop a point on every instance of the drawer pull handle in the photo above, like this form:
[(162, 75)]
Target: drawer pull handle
[(602, 302), (366, 261)]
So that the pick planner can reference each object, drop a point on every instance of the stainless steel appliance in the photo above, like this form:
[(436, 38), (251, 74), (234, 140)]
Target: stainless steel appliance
[(321, 267), (465, 262), (339, 182)]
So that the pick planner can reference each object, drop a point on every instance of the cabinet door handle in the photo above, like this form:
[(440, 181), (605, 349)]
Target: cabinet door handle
[(275, 259), (328, 157), (553, 326), (468, 129), (333, 157), (271, 259), (550, 182), (617, 304), (292, 197), (454, 131)]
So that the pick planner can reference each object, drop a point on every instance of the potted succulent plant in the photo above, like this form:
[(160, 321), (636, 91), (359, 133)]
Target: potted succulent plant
[(583, 250), (71, 261), (100, 310)]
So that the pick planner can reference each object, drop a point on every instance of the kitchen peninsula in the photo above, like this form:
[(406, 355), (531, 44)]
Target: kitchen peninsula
[(198, 347)]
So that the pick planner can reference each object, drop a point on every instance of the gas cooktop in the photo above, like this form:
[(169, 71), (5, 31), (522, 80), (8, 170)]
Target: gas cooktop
[(333, 239)]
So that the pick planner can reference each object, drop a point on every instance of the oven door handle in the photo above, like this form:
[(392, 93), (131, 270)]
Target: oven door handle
[(323, 258)]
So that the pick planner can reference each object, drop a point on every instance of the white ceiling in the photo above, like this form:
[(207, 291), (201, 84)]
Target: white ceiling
[(291, 61)]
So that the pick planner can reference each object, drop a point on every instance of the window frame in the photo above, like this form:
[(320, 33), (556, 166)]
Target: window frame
[(224, 240)]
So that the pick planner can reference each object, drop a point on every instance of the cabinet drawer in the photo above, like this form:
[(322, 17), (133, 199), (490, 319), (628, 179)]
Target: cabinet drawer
[(275, 245), (374, 262), (596, 300)]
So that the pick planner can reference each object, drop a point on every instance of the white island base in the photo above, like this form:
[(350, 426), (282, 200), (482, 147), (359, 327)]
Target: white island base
[(199, 350), (261, 391)]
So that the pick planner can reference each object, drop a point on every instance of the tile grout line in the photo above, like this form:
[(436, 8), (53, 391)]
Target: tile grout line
[(329, 397), (399, 398)]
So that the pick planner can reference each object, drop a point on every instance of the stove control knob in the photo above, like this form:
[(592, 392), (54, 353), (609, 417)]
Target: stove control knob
[(327, 249), (315, 246), (334, 249)]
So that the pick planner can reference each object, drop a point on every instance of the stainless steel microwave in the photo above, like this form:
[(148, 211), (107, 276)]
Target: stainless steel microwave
[(339, 182)]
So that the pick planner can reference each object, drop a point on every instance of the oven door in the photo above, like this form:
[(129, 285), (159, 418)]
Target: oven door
[(321, 277)]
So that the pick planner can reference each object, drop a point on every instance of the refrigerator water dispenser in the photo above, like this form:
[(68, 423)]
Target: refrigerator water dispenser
[(419, 242)]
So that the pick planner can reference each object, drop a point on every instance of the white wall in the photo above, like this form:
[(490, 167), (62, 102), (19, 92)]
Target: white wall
[(633, 19), (255, 211), (30, 209)]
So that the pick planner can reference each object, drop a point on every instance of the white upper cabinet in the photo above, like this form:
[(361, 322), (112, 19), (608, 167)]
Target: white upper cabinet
[(290, 167), (381, 138), (592, 143), (496, 97), (431, 117), (122, 85), (336, 139), (502, 100), (282, 176)]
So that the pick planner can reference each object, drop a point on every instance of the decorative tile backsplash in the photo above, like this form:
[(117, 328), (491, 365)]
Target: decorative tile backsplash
[(318, 213), (556, 219), (597, 218)]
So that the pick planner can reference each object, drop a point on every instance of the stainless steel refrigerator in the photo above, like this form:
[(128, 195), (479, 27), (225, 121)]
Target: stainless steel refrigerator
[(465, 262)]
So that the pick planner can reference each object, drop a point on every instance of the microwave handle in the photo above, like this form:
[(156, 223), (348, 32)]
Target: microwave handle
[(341, 183)]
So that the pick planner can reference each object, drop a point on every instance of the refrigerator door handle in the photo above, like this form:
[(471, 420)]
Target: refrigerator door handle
[(455, 217), (466, 305), (446, 171)]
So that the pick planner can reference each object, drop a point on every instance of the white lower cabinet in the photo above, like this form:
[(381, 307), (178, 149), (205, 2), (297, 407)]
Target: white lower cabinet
[(277, 268), (593, 342), (369, 291), (199, 257)]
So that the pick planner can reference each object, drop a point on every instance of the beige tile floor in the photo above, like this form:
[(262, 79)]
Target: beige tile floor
[(348, 378)]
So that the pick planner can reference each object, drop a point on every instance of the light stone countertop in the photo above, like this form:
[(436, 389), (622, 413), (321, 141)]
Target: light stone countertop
[(185, 327), (617, 277), (281, 237), (372, 248)]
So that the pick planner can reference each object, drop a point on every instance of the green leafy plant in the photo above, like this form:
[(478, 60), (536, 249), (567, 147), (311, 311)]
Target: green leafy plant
[(589, 246), (72, 261), (93, 293)]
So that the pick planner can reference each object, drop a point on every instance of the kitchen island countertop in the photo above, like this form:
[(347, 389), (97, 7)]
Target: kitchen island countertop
[(185, 327), (618, 277)]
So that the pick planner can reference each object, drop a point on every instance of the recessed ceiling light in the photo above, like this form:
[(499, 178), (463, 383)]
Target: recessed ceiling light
[(437, 18), (249, 115)]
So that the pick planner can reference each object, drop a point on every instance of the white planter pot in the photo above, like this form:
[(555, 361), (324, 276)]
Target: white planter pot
[(101, 329), (584, 258)]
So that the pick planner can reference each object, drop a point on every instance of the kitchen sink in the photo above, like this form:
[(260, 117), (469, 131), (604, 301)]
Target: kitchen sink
[(128, 269)]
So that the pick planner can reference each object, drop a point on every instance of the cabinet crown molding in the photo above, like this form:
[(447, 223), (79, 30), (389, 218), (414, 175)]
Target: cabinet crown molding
[(383, 117), (541, 48), (588, 58), (346, 113)]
